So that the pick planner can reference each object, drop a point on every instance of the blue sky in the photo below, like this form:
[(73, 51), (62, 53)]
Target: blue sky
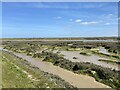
[(48, 19)]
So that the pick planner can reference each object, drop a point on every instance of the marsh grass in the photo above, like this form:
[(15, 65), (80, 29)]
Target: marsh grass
[(85, 53)]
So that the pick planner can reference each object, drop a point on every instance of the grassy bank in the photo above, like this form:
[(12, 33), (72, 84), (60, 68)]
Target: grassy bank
[(18, 73)]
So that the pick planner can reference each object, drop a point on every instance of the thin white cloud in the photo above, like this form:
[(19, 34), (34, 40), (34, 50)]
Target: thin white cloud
[(107, 23), (78, 20), (88, 23), (110, 14), (52, 5), (58, 17), (67, 6)]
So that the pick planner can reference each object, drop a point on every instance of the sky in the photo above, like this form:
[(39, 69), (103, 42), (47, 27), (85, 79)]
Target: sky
[(59, 19)]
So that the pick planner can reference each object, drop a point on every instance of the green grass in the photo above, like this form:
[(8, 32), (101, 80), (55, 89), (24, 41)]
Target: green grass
[(14, 75), (73, 49)]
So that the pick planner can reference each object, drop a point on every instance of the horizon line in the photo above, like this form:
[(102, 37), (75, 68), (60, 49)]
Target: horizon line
[(59, 37)]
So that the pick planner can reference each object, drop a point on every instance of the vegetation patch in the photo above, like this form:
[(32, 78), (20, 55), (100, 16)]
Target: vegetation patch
[(85, 53), (111, 61), (106, 55), (75, 58)]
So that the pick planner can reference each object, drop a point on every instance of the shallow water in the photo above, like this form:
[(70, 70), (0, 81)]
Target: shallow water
[(68, 40), (103, 50), (92, 59)]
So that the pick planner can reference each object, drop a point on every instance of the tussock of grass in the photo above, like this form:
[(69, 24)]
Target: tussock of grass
[(85, 53)]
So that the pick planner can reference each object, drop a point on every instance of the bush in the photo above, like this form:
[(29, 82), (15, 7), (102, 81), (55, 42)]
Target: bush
[(75, 68), (74, 57)]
